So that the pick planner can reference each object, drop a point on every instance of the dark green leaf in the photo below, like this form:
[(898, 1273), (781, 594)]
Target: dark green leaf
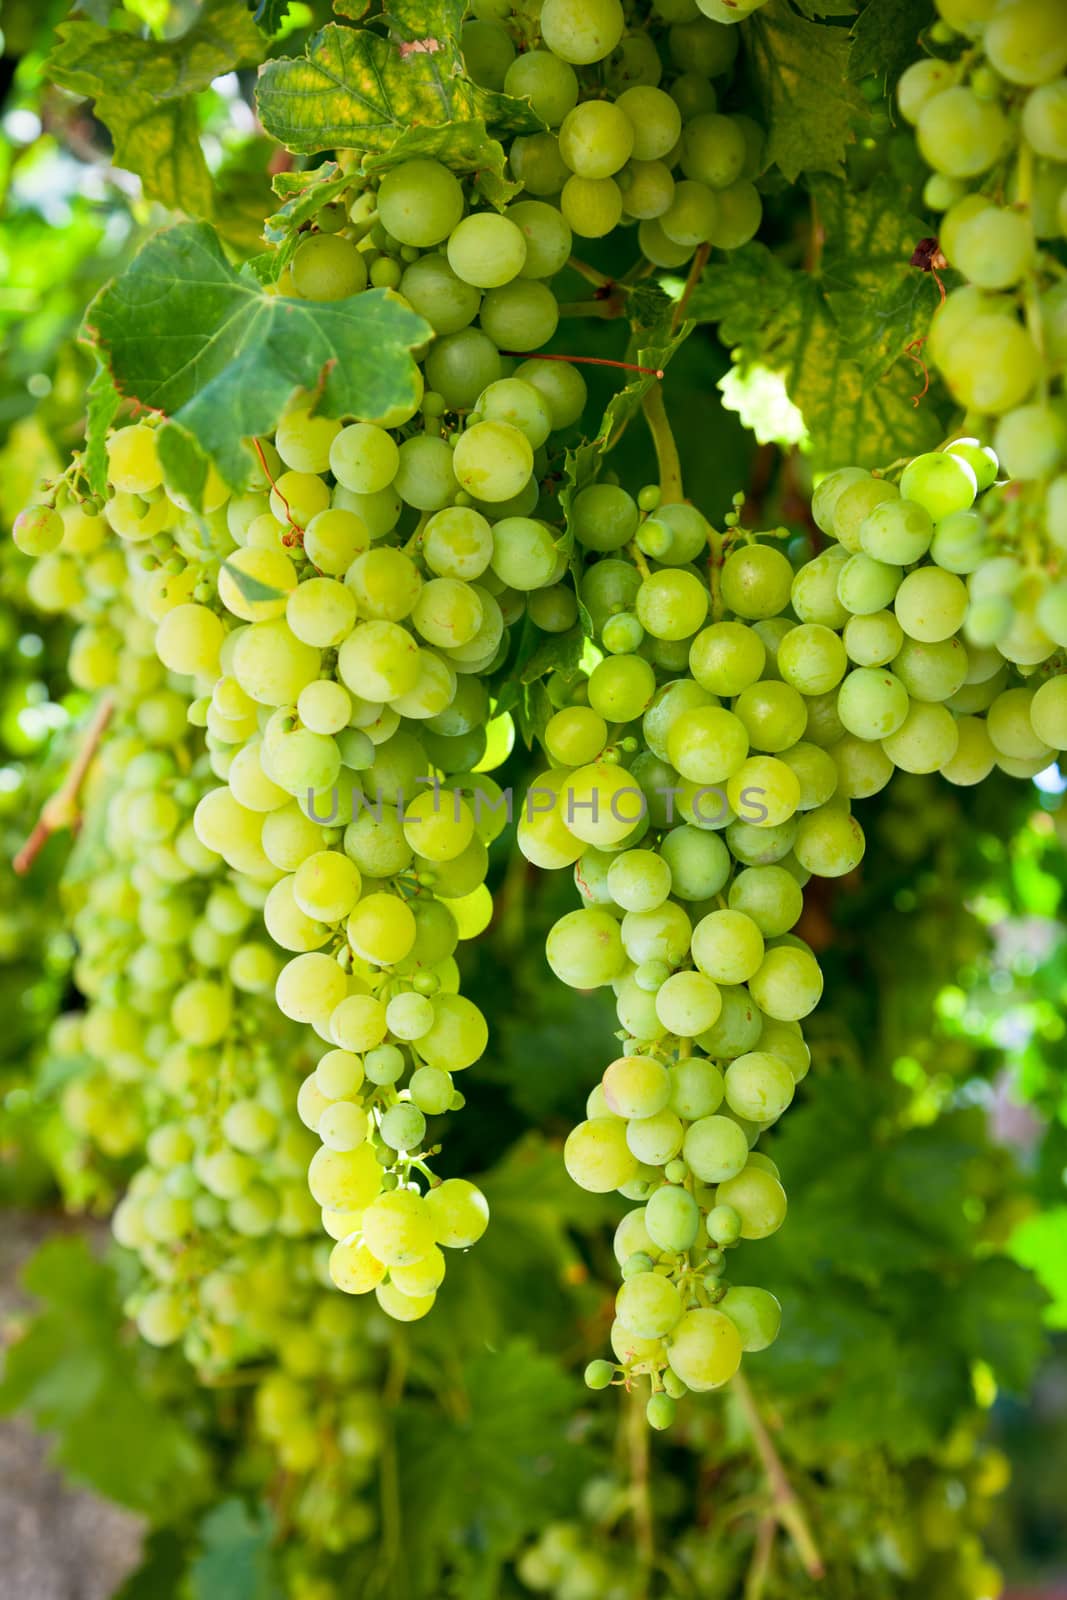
[(237, 1561), (144, 88), (885, 38), (187, 336), (882, 303), (806, 103), (784, 320), (163, 1563), (475, 1483), (269, 14), (304, 195)]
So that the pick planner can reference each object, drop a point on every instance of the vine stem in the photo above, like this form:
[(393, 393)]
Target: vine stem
[(715, 573), (599, 280), (637, 1431), (785, 1502), (700, 261), (759, 1569), (60, 811), (670, 466)]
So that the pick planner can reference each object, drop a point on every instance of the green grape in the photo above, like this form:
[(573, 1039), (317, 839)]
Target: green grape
[(696, 1086), (687, 1004), (931, 671), (770, 896), (584, 949), (829, 841), (591, 206), (855, 503), (692, 215), (930, 604), (991, 365), (433, 290), (925, 741), (759, 1087), (621, 688), (756, 581), (829, 491), (739, 214), (727, 946), (773, 714), (325, 267), (597, 1155), (660, 250), (655, 1140), (788, 984), (1030, 441), (813, 594), (812, 658), (1024, 41), (549, 83), (756, 1315), (919, 82), (655, 119), (639, 880), (648, 1305), (660, 935), (813, 769), (1044, 120), (672, 604), (520, 316), (459, 366), (993, 248), (581, 35), (961, 135), (872, 703), (492, 460), (603, 517), (715, 1149), (704, 1350), (865, 585), (699, 862), (487, 52), (38, 530), (538, 165), (713, 150), (420, 203), (726, 658), (486, 250), (597, 138), (763, 791), (647, 189)]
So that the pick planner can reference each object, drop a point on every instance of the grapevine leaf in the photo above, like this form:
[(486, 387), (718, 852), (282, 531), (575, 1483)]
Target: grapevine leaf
[(354, 10), (786, 321), (813, 9), (393, 97), (74, 1371), (185, 463), (237, 1561), (269, 14), (800, 77), (144, 91), (1040, 1244), (880, 301), (188, 336), (303, 196), (999, 1314), (104, 402), (507, 1435), (885, 38)]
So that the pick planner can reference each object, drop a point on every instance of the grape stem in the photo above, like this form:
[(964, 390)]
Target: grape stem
[(61, 809), (670, 466), (637, 1430), (608, 307), (785, 1503), (599, 280), (700, 261)]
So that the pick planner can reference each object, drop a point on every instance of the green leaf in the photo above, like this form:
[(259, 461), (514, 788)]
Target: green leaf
[(800, 72), (304, 195), (237, 1561), (188, 336), (144, 91), (785, 320), (881, 302), (885, 38), (393, 97), (75, 1373), (508, 1435), (104, 402)]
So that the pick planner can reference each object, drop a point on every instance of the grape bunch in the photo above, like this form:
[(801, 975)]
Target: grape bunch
[(700, 773), (990, 116)]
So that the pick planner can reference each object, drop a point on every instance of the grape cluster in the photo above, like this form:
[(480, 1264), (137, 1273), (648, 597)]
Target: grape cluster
[(700, 774), (237, 623), (990, 116)]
